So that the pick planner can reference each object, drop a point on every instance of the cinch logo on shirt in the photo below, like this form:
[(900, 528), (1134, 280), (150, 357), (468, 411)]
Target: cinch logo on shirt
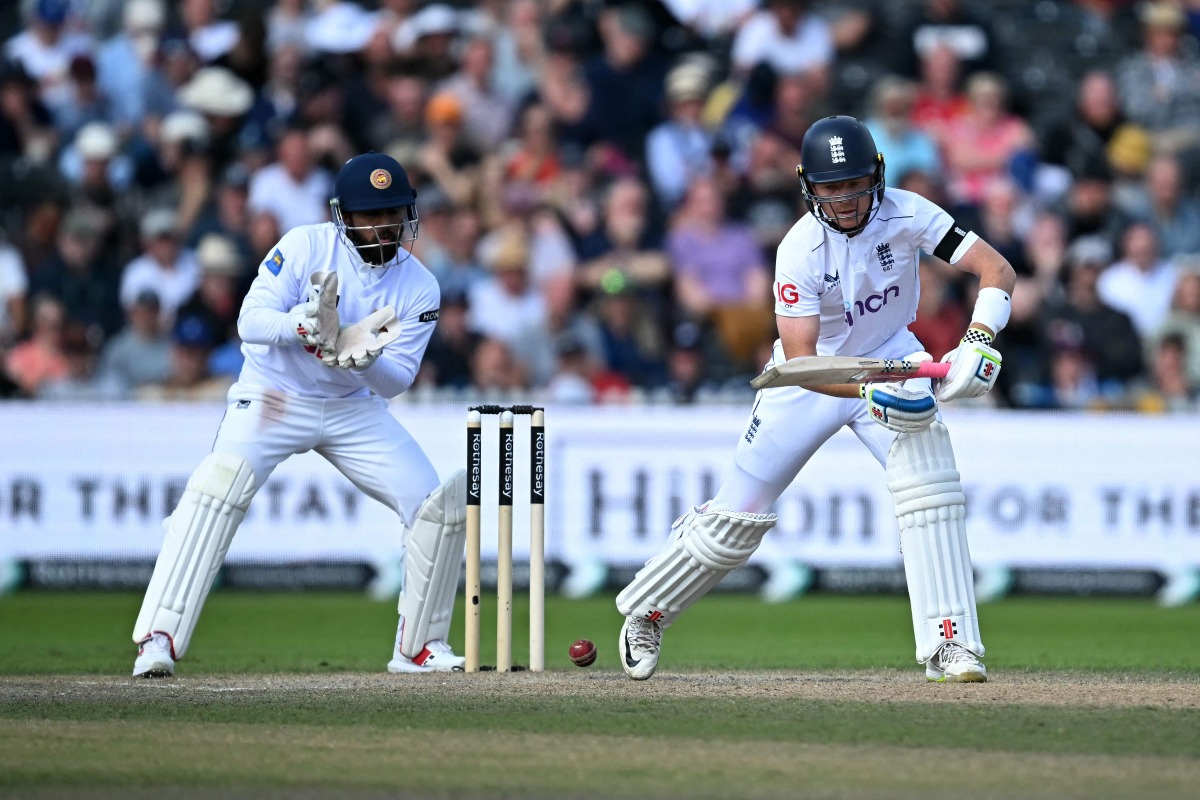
[(872, 303)]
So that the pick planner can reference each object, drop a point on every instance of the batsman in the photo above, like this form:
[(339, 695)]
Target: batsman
[(846, 284), (334, 325)]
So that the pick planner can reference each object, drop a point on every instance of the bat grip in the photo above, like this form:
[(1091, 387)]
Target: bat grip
[(932, 369)]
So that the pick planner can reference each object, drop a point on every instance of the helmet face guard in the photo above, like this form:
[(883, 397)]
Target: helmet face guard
[(821, 206), (378, 244)]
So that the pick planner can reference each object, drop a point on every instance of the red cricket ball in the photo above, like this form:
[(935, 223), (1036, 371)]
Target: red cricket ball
[(583, 653)]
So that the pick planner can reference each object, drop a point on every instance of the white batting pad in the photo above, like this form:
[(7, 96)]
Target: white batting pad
[(931, 509), (432, 562), (199, 533), (705, 546)]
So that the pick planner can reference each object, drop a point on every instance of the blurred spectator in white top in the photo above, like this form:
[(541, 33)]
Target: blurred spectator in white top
[(287, 25), (339, 27), (1160, 86), (680, 150), (141, 352), (165, 267), (905, 147), (787, 36), (209, 36), (45, 48), (125, 63), (506, 306), (294, 189), (572, 367), (960, 25), (14, 283), (1141, 284), (487, 115), (1163, 203), (712, 19), (520, 51)]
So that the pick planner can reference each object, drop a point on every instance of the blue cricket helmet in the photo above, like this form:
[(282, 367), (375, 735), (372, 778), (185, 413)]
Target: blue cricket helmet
[(373, 181)]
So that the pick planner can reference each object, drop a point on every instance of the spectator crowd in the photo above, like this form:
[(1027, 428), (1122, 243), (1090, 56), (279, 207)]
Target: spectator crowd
[(602, 184)]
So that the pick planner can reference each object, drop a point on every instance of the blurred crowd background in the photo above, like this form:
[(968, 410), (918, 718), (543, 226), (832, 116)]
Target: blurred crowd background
[(602, 183)]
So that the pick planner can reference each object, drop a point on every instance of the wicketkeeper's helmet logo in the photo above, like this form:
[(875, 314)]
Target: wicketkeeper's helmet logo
[(381, 179)]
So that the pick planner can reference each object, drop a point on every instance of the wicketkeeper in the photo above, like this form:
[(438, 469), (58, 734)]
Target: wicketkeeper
[(335, 324), (846, 283)]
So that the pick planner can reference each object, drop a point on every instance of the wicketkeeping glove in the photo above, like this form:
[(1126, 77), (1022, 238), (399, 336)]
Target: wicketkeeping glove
[(974, 367), (358, 345)]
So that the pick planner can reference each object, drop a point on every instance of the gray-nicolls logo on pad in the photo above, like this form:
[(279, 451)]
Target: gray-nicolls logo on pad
[(836, 153)]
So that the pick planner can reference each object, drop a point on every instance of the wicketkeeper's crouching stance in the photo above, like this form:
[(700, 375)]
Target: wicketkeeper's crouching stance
[(847, 284), (313, 381)]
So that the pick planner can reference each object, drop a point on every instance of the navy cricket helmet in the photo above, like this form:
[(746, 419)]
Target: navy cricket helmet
[(375, 182), (839, 149)]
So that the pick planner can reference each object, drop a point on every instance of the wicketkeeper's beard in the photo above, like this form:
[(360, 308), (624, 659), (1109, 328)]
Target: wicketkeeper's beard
[(378, 246)]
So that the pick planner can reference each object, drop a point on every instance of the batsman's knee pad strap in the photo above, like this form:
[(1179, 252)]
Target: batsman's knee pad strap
[(931, 511), (198, 534), (432, 561), (704, 547)]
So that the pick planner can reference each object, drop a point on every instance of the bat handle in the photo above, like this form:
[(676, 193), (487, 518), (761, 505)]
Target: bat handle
[(932, 369)]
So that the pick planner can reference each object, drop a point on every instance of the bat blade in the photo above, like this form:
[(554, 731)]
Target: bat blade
[(818, 370)]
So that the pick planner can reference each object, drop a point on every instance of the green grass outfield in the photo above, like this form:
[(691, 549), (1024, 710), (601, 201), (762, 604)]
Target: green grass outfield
[(286, 695)]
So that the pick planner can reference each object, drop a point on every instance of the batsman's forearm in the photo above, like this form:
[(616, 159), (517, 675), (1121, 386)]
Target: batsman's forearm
[(848, 391), (265, 326)]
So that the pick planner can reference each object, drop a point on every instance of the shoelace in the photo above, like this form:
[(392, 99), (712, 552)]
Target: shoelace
[(438, 646), (645, 636), (955, 653)]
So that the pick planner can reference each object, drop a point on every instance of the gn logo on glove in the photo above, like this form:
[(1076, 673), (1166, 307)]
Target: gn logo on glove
[(987, 368)]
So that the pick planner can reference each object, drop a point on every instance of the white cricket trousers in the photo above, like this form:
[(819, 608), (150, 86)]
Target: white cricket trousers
[(359, 436)]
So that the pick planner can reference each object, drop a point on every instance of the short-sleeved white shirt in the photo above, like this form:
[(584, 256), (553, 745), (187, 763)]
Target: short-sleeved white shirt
[(282, 283), (865, 288), (810, 46)]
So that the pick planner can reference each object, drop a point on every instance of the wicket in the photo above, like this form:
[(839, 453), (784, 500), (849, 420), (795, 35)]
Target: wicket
[(504, 553)]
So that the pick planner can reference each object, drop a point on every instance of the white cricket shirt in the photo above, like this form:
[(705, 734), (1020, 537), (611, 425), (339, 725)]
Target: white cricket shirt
[(865, 288), (275, 358)]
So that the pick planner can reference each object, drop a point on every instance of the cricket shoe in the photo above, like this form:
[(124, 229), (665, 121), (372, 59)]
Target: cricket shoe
[(953, 663), (435, 657), (155, 658), (640, 640)]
